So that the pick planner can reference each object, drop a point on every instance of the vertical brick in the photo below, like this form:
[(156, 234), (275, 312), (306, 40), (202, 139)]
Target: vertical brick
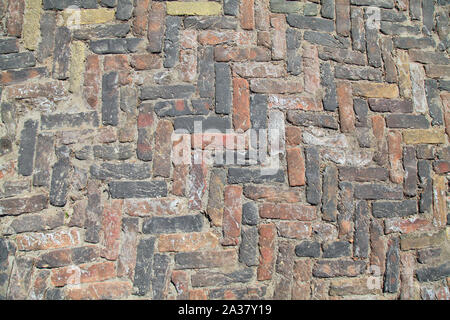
[(343, 17), (418, 87), (296, 167), (93, 213), (92, 80), (361, 235), (110, 99), (267, 234), (143, 271), (426, 184), (206, 72), (26, 148), (378, 127), (223, 88), (329, 100), (311, 68), (346, 210), (232, 215), (163, 146), (377, 248), (312, 173), (392, 274), (410, 167), (145, 132), (329, 194), (440, 201), (155, 27), (127, 256), (389, 64), (111, 227), (141, 14), (372, 15), (171, 41), (247, 14), (241, 104), (47, 28), (404, 79), (197, 181), (61, 53), (248, 249), (31, 32), (60, 182), (215, 207), (345, 101), (44, 150), (278, 22), (181, 169), (15, 18), (395, 156), (357, 29)]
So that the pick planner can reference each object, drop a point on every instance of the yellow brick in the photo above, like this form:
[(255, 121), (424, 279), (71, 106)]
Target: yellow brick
[(424, 240), (418, 136), (73, 17), (178, 8), (31, 26), (375, 90), (440, 201), (78, 56)]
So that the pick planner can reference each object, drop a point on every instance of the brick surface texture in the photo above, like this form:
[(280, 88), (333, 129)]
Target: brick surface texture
[(333, 179)]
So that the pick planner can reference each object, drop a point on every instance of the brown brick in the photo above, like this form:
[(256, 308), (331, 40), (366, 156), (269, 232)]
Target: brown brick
[(247, 14), (83, 274), (267, 234), (100, 291), (346, 113), (111, 228), (285, 211), (232, 215), (241, 104), (395, 157), (296, 167), (140, 22), (15, 18), (271, 193)]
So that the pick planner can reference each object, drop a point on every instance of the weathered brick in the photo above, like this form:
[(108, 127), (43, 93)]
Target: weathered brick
[(343, 17), (338, 268), (137, 189), (167, 92), (60, 183), (422, 136), (422, 240), (241, 104), (329, 194), (311, 23), (392, 274), (17, 206), (162, 151), (330, 102), (345, 101), (395, 156), (205, 259), (312, 173), (180, 8), (307, 119), (15, 18), (208, 278), (433, 273), (45, 241), (143, 270), (187, 243), (375, 90), (285, 211), (115, 46), (377, 191), (267, 233)]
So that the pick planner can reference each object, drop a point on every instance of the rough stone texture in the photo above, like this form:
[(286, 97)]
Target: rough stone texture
[(232, 149)]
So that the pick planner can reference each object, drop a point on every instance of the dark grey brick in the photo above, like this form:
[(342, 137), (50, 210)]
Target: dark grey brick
[(426, 184), (144, 263), (206, 72), (5, 146), (17, 60), (444, 85), (357, 29), (161, 225), (312, 170), (115, 46), (392, 28), (308, 249), (346, 204), (36, 222), (26, 148), (327, 80), (187, 123), (206, 278), (60, 182), (129, 100), (63, 4), (68, 120), (160, 273), (312, 23), (110, 99), (171, 108), (44, 150), (388, 4), (204, 23), (336, 249), (343, 56), (434, 102), (109, 3), (54, 294), (413, 43), (224, 92), (258, 111), (8, 45), (415, 9), (392, 273), (357, 73), (390, 105), (181, 91), (102, 31), (250, 214), (48, 31), (94, 212), (428, 16), (124, 9), (392, 15), (377, 191), (231, 7), (137, 189), (434, 273), (171, 42), (294, 60), (248, 249), (285, 259), (111, 152), (425, 151), (338, 268), (306, 119), (22, 75), (201, 106), (372, 46), (407, 121), (389, 209), (361, 110), (61, 53), (327, 9), (246, 175), (410, 166), (132, 171), (330, 191), (361, 235), (324, 39)]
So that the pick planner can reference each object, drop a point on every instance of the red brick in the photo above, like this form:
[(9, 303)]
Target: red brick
[(232, 215), (441, 167), (286, 211), (219, 141), (180, 280), (111, 227), (106, 135), (50, 240), (241, 104), (146, 61), (13, 76), (247, 15), (271, 193), (119, 63), (14, 20), (294, 229), (303, 270), (198, 294), (141, 17), (267, 234), (162, 151), (301, 291), (187, 242), (345, 101), (295, 166), (74, 275), (181, 170), (311, 68), (155, 27), (100, 291), (227, 54), (188, 65), (293, 136), (406, 225), (278, 22), (188, 39), (126, 262), (395, 156), (92, 76)]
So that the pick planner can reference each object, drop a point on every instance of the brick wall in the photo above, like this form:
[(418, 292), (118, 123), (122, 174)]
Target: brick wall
[(348, 200)]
